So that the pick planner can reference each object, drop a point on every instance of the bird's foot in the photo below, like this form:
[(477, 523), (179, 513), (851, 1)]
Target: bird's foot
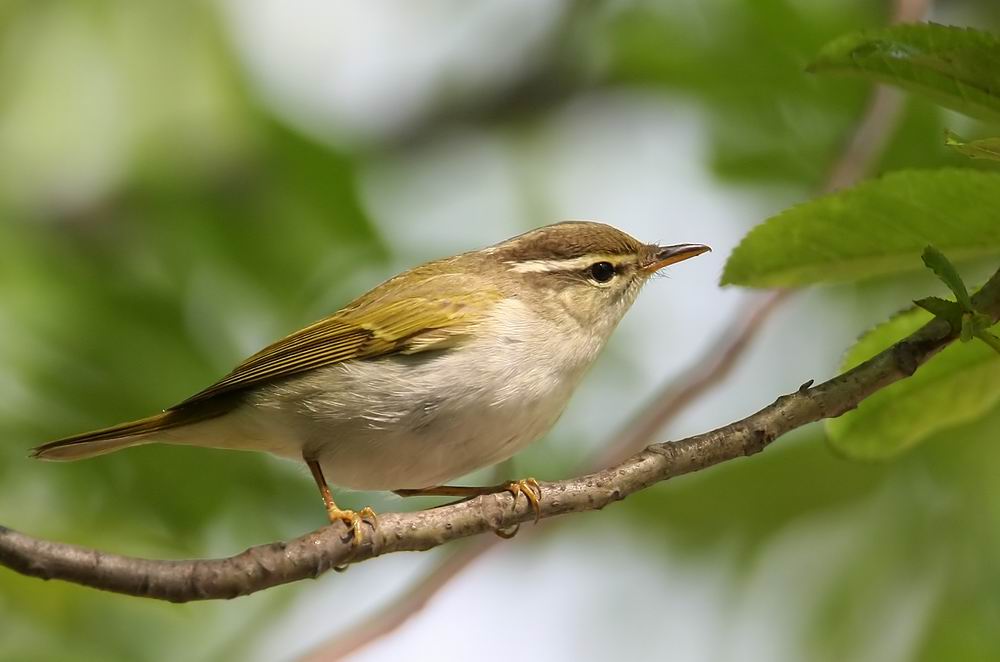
[(353, 520), (531, 490)]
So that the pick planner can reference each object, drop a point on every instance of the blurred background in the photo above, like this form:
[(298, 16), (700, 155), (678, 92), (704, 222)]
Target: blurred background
[(183, 182)]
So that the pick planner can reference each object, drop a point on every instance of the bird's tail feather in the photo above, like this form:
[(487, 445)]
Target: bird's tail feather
[(116, 437)]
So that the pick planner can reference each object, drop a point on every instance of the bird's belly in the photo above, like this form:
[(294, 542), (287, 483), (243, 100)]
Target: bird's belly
[(406, 423), (445, 447)]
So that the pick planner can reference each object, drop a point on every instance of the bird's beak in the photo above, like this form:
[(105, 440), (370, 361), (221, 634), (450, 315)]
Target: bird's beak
[(667, 255)]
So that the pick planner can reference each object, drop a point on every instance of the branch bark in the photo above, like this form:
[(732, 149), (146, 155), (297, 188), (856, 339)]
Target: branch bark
[(311, 555)]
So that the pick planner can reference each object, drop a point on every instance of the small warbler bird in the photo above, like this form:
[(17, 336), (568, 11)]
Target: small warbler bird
[(451, 366)]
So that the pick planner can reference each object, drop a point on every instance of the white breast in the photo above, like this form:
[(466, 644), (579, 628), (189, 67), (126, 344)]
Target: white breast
[(422, 420)]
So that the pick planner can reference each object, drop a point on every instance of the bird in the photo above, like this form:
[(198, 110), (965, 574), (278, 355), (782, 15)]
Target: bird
[(451, 366)]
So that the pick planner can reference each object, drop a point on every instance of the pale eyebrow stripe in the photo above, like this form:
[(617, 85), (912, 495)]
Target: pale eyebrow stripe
[(569, 264)]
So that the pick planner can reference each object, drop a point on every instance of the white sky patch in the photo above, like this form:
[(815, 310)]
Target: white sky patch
[(352, 71)]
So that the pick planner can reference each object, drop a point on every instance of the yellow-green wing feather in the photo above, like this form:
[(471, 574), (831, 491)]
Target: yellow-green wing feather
[(361, 331)]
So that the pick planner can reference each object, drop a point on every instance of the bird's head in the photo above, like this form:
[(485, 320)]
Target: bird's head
[(590, 271)]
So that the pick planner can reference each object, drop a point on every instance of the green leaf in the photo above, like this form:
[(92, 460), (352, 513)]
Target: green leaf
[(984, 148), (943, 308), (958, 68), (879, 227), (945, 270), (956, 386)]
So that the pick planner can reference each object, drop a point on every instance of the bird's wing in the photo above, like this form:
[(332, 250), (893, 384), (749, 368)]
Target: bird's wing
[(366, 329)]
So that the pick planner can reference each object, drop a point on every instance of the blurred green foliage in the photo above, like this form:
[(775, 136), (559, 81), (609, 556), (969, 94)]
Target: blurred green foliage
[(744, 61), (159, 222)]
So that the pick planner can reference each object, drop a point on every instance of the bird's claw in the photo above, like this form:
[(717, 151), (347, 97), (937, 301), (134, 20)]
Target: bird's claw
[(353, 520), (531, 490)]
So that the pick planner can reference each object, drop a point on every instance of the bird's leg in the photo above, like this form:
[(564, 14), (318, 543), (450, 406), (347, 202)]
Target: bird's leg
[(352, 519), (529, 487)]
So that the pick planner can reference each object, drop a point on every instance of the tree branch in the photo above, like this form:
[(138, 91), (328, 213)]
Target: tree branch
[(265, 566), (311, 555)]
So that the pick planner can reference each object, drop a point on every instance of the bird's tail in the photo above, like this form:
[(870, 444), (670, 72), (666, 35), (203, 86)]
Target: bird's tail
[(117, 437)]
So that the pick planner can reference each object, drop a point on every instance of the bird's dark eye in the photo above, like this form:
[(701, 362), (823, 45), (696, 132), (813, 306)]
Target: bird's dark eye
[(602, 271)]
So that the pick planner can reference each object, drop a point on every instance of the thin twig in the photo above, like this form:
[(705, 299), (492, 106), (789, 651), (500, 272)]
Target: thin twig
[(869, 139)]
